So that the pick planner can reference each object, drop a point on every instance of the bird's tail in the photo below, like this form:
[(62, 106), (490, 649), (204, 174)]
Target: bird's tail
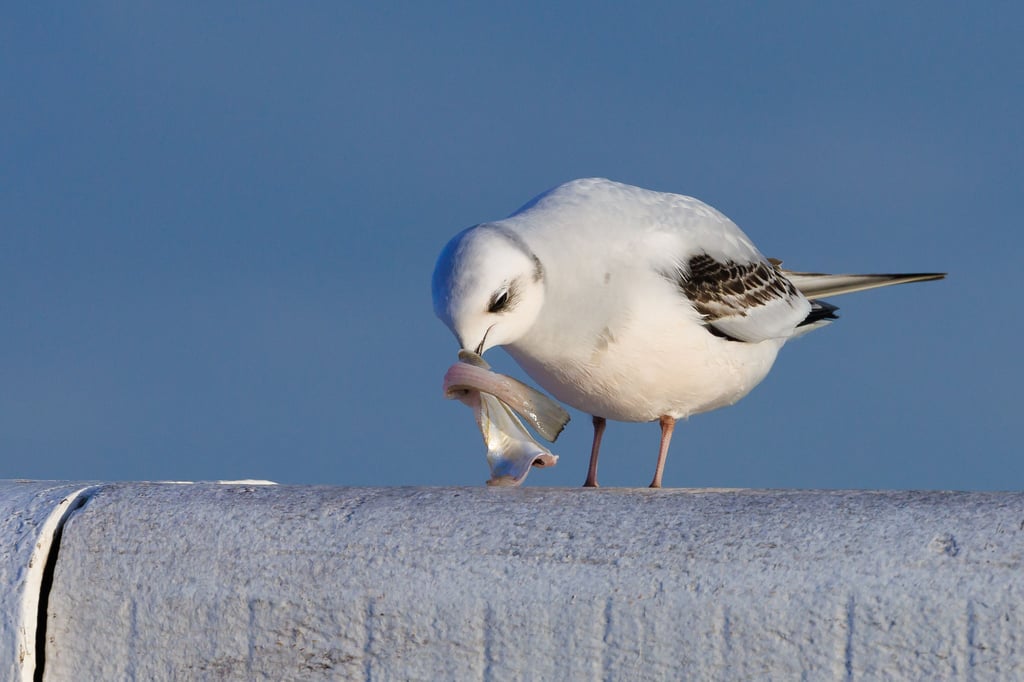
[(819, 285)]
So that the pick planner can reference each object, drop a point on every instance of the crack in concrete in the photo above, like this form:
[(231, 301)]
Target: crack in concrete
[(39, 582)]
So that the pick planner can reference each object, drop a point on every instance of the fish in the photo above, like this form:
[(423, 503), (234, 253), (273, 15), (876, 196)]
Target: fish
[(496, 399)]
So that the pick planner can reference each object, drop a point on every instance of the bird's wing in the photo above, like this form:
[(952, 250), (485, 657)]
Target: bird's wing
[(742, 300), (816, 284)]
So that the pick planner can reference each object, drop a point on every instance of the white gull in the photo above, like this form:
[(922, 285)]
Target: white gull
[(631, 304)]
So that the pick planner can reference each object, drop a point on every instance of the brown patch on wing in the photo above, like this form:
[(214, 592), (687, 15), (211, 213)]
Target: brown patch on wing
[(728, 289)]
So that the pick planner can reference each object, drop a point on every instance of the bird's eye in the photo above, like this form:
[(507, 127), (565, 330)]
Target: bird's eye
[(499, 301)]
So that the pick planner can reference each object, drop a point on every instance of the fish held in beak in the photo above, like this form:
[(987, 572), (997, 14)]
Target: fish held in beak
[(511, 450), (543, 414)]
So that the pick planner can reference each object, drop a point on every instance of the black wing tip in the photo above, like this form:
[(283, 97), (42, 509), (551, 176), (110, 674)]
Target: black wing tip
[(917, 276), (820, 310), (914, 276)]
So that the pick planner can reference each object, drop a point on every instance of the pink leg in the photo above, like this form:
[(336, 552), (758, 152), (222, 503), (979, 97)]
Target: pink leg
[(591, 481), (667, 425)]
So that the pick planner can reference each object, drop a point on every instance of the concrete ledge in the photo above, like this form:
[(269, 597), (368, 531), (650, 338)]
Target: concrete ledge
[(271, 582)]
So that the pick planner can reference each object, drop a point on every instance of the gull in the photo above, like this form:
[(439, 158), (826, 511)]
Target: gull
[(630, 304)]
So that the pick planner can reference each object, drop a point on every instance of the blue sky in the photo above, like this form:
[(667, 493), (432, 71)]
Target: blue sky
[(218, 224)]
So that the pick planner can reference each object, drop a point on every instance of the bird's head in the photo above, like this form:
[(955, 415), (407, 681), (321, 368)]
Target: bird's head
[(488, 287)]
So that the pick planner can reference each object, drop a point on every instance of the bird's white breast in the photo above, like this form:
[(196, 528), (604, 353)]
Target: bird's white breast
[(648, 359)]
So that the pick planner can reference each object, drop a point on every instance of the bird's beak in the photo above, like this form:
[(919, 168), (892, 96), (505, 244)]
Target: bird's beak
[(480, 347)]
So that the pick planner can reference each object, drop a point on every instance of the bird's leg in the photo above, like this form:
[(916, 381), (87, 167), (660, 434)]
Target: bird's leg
[(591, 481), (667, 425)]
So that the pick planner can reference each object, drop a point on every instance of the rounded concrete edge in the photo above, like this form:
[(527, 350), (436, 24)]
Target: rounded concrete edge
[(38, 511)]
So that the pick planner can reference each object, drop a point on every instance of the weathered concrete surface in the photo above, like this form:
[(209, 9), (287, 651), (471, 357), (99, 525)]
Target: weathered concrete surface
[(30, 513), (245, 582)]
